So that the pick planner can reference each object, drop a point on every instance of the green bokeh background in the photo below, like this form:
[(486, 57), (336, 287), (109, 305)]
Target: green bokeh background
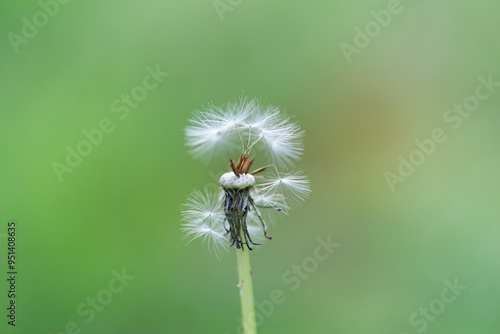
[(120, 207)]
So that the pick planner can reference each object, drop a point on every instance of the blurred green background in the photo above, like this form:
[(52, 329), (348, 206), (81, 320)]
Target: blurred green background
[(120, 206)]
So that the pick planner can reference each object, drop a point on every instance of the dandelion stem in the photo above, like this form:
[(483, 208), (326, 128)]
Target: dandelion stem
[(246, 290)]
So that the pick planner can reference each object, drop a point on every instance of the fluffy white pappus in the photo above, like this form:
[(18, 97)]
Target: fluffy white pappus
[(282, 137), (285, 145), (247, 123), (204, 218), (293, 186), (236, 113), (206, 133), (268, 200), (203, 208)]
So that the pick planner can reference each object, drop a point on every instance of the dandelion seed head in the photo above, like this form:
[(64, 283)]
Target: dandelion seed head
[(238, 215)]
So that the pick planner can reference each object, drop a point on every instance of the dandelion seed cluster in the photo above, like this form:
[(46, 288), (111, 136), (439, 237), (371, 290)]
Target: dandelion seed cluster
[(237, 216)]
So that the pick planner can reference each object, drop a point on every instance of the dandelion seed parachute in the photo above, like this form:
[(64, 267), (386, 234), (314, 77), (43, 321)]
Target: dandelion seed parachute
[(214, 129), (292, 187), (204, 219)]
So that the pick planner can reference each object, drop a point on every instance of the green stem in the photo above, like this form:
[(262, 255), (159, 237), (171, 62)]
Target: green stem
[(246, 290)]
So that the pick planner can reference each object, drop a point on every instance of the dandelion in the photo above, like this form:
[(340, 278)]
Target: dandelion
[(245, 126), (239, 214)]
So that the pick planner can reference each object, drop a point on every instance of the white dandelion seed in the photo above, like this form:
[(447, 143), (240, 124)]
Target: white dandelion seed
[(292, 186), (241, 215), (203, 208), (206, 132), (281, 136), (204, 219)]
